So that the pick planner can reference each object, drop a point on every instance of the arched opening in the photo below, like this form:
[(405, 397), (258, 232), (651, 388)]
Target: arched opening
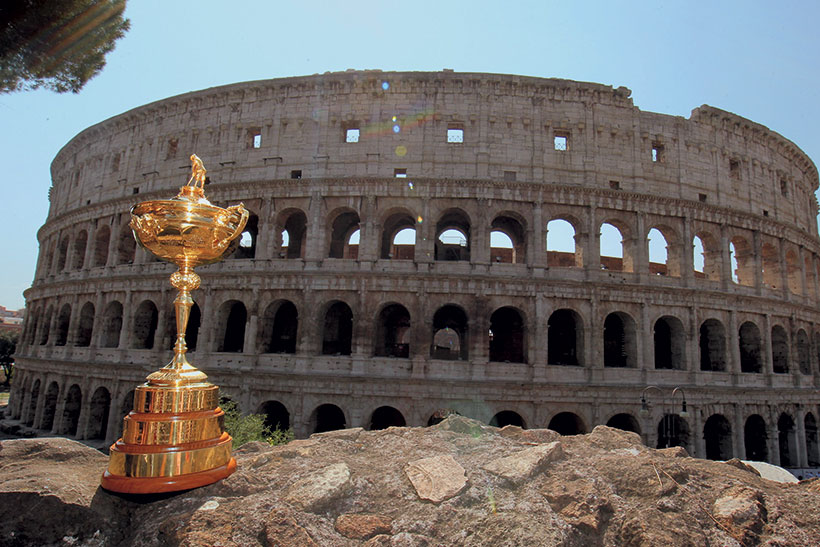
[(280, 325), (327, 417), (80, 242), (567, 423), (673, 431), (276, 415), (341, 231), (247, 241), (32, 325), (46, 326), (803, 352), (770, 259), (453, 236), (86, 326), (507, 417), (71, 412), (718, 436), (125, 409), (670, 343), (780, 350), (507, 336), (507, 241), (62, 253), (663, 260), (398, 237), (337, 334), (749, 342), (707, 257), (807, 267), (63, 321), (565, 335), (742, 260), (393, 332), (812, 451), (439, 416), (793, 273), (126, 246), (619, 341), (292, 232), (384, 417), (450, 334), (32, 404), (101, 236), (755, 439), (234, 316), (562, 248), (624, 422), (145, 325), (112, 325), (787, 441), (615, 256), (50, 406), (712, 344), (98, 418)]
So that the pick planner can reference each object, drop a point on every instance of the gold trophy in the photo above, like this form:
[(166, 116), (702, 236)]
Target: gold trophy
[(174, 438)]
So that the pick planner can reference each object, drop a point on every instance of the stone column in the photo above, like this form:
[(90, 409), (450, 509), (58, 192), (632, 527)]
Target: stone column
[(113, 241), (645, 345), (539, 353), (425, 236), (127, 329), (773, 439), (784, 269), (594, 351), (726, 260), (802, 455), (733, 339), (316, 230), (640, 248), (249, 344), (537, 240), (480, 235), (85, 415), (99, 322), (758, 261), (59, 410), (700, 449), (74, 322), (89, 250), (801, 263), (687, 248), (766, 350), (738, 439)]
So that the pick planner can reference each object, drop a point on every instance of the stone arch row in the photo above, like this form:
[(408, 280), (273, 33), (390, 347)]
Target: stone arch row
[(618, 244), (278, 331)]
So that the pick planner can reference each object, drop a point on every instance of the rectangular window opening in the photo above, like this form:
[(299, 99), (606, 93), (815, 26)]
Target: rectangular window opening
[(135, 190), (400, 173), (352, 134), (296, 174), (765, 213), (702, 198), (509, 176), (784, 188), (561, 142), (657, 153), (455, 134), (615, 184), (257, 140), (734, 169)]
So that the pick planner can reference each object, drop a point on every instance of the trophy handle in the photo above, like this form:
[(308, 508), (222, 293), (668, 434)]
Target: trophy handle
[(242, 221)]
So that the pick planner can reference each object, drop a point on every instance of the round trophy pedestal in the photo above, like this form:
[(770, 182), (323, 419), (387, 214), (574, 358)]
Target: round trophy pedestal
[(173, 440)]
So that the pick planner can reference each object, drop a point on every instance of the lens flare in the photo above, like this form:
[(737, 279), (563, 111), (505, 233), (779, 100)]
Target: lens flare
[(385, 85), (401, 151), (419, 219), (396, 128)]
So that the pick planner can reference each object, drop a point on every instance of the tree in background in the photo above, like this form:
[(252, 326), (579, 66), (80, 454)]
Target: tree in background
[(8, 343), (56, 44)]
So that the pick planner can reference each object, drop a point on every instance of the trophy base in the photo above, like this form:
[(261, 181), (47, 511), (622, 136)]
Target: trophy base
[(161, 485)]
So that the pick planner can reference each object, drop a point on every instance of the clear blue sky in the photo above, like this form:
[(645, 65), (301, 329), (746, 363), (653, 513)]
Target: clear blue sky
[(757, 59)]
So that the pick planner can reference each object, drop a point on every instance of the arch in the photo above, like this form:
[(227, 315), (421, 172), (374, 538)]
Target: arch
[(620, 345), (787, 441), (741, 258), (515, 232), (292, 231), (565, 337), (615, 255), (247, 241), (749, 341), (327, 417), (126, 246), (712, 345), (812, 450), (567, 423), (234, 316), (624, 422), (384, 417), (396, 232), (793, 273), (125, 409), (717, 434), (563, 250), (664, 259), (63, 324), (393, 332), (145, 325), (342, 227), (32, 325), (280, 327), (337, 332), (780, 350), (508, 336), (62, 254), (98, 418), (770, 259), (100, 253), (453, 236), (670, 343), (450, 334), (32, 404), (112, 325), (755, 439), (71, 411), (46, 326), (50, 406), (86, 325), (803, 352), (78, 257), (707, 260), (673, 431), (807, 267), (508, 417), (276, 415)]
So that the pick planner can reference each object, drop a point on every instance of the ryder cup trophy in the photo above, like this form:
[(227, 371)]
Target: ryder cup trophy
[(174, 438)]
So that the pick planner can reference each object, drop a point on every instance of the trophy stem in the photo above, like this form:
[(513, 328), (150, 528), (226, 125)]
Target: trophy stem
[(182, 307)]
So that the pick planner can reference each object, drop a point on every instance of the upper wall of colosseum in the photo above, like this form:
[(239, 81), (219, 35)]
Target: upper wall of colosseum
[(501, 127)]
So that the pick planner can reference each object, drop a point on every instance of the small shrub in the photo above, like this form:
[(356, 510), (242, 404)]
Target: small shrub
[(251, 427)]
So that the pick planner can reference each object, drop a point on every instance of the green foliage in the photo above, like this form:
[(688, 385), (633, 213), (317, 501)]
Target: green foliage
[(56, 44), (8, 344), (251, 427)]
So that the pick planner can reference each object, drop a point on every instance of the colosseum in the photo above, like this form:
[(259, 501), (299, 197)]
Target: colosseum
[(527, 251)]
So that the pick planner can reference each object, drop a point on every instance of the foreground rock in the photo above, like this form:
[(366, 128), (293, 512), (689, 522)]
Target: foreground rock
[(458, 483)]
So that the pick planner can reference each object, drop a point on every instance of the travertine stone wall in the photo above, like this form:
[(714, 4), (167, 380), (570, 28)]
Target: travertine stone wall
[(714, 175)]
